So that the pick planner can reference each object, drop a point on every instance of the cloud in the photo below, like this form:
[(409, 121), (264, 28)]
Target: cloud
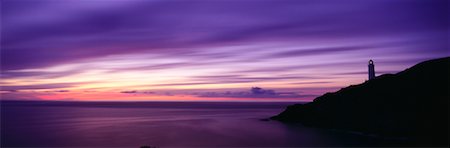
[(38, 74), (137, 92), (129, 92), (165, 44), (255, 92), (39, 86), (316, 82), (318, 51), (61, 91), (69, 31), (364, 73), (230, 79)]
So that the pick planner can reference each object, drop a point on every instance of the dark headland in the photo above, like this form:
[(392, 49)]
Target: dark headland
[(411, 104)]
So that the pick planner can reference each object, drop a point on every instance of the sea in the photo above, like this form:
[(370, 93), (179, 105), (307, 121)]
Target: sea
[(164, 124)]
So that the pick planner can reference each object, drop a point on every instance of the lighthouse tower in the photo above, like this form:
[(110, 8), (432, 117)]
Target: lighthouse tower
[(371, 70)]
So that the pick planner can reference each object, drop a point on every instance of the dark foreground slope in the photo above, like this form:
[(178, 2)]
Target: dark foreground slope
[(412, 104)]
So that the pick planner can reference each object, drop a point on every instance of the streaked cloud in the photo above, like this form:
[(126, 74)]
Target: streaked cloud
[(256, 92), (108, 49), (37, 86)]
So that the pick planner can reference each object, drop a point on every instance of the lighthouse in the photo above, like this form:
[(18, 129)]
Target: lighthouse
[(371, 70)]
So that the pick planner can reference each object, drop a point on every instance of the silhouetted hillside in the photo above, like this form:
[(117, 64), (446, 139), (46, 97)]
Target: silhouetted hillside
[(412, 104)]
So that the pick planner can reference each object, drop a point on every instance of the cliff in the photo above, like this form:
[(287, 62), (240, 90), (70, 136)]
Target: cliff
[(412, 104)]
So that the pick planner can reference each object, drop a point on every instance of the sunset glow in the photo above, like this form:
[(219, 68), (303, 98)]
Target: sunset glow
[(209, 50)]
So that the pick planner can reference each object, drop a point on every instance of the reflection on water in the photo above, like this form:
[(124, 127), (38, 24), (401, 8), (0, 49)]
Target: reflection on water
[(28, 125)]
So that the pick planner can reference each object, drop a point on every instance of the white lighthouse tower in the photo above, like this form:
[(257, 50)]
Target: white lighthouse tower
[(371, 70)]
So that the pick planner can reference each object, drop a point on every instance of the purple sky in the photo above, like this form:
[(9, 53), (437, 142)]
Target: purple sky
[(206, 48)]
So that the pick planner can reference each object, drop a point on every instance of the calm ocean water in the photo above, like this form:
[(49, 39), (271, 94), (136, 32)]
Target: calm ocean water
[(161, 124)]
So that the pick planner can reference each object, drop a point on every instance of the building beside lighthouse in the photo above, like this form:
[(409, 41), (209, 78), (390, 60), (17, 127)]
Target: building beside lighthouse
[(371, 70)]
